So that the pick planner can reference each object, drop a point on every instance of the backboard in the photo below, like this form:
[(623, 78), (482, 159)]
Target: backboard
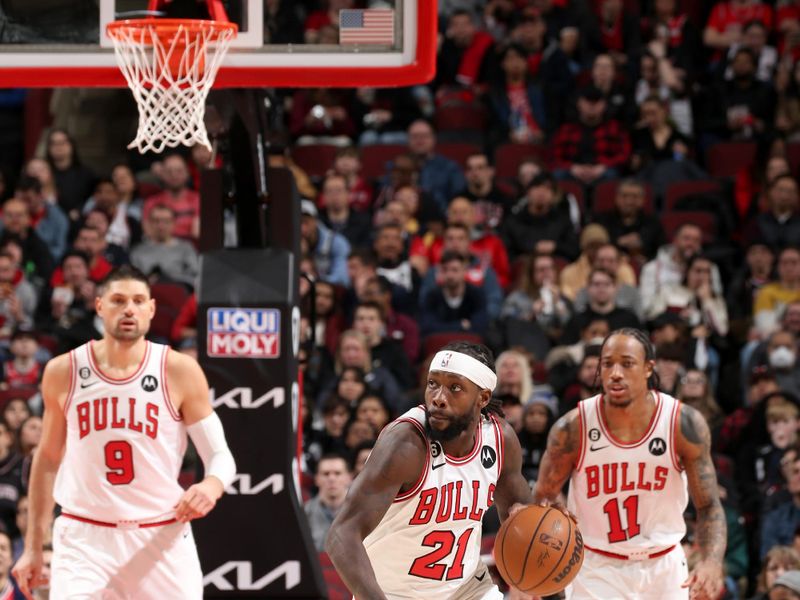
[(63, 43)]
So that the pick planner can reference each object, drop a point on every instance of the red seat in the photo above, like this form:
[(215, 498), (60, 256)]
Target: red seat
[(793, 155), (706, 221), (459, 152), (435, 341), (508, 158), (172, 295), (161, 325), (606, 191), (462, 117), (680, 189), (374, 159), (726, 159), (314, 159)]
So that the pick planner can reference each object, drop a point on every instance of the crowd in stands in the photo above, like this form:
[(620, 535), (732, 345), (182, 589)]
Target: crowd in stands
[(576, 166)]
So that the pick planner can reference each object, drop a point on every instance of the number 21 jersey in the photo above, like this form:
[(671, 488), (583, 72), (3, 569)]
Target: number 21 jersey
[(125, 441)]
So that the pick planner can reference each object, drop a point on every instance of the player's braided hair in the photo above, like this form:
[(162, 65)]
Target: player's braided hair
[(484, 355), (653, 383)]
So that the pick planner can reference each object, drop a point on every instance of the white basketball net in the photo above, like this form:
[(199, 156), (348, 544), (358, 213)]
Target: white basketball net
[(170, 77)]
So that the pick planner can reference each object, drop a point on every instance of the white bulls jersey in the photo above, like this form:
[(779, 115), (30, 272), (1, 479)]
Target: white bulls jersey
[(125, 442), (629, 498), (428, 543)]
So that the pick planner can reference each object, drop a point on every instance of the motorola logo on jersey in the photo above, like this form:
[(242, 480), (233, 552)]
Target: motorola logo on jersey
[(488, 457), (244, 485), (243, 581), (657, 446), (243, 397), (149, 383), (244, 332)]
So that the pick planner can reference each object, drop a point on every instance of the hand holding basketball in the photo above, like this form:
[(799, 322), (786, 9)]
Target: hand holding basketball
[(28, 572), (538, 549)]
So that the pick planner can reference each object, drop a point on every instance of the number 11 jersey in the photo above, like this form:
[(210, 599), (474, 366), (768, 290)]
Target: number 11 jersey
[(629, 497), (125, 441)]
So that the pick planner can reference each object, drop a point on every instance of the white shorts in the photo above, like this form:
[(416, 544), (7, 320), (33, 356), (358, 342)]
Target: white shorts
[(605, 578), (472, 589), (106, 563)]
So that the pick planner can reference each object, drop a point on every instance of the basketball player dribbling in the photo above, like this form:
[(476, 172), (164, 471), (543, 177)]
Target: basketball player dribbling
[(631, 452), (411, 524), (118, 411)]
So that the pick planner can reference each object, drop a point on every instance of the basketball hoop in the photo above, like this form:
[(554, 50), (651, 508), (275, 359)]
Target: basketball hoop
[(170, 66)]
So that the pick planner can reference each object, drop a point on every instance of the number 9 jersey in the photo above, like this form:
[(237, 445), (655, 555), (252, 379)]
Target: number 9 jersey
[(125, 442), (629, 497)]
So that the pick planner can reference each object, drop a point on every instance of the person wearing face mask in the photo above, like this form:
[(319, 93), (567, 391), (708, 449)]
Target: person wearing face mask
[(781, 353)]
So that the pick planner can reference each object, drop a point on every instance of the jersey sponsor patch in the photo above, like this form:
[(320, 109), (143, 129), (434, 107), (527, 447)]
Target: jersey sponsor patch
[(488, 457), (149, 383), (657, 446)]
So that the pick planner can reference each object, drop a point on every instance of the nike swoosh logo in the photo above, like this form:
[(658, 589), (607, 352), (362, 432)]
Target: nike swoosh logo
[(481, 577), (595, 448), (85, 385), (434, 467)]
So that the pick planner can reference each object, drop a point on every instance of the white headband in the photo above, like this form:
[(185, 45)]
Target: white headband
[(466, 366)]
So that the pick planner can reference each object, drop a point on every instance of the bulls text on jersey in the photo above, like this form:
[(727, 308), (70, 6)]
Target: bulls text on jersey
[(448, 504), (611, 478), (115, 413)]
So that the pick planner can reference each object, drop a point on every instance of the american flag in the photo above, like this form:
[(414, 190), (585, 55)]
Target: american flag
[(370, 26)]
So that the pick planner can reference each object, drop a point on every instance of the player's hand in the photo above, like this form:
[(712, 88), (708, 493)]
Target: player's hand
[(28, 572), (198, 500), (515, 508), (706, 581)]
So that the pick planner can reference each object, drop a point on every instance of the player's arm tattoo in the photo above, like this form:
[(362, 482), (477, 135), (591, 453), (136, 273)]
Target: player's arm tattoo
[(695, 452), (560, 457)]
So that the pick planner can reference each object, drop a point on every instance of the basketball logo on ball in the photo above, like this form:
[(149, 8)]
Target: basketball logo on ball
[(539, 550)]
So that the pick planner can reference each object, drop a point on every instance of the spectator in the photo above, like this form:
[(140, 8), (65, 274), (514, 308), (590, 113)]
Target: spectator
[(743, 108), (22, 370), (177, 195), (70, 311), (162, 256), (74, 181), (540, 227), (724, 26), (466, 59), (604, 77), (615, 31), (490, 203), (563, 361), (37, 261), (40, 169), (772, 297), (537, 420), (782, 358), (374, 410), (779, 225), (321, 18), (329, 437), (385, 351), (438, 176), (754, 37), (329, 249), (124, 221), (386, 113), (779, 524), (322, 116), (337, 214), (778, 561), (358, 432), (538, 296), (393, 262), (404, 175), (348, 164), (333, 478), (362, 452), (602, 293), (456, 306), (666, 85), (594, 148), (675, 38), (114, 254), (753, 275), (90, 241), (351, 386), (18, 543), (479, 273), (669, 265), (399, 327), (131, 203), (47, 219), (516, 101), (15, 412), (586, 383), (514, 376), (30, 436), (786, 587), (607, 257), (18, 298), (695, 391), (11, 487), (330, 318)]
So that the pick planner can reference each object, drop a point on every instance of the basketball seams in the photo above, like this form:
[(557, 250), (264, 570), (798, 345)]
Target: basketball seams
[(563, 552), (503, 544)]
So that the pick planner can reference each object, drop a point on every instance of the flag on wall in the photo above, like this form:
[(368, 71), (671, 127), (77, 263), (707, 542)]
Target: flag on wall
[(369, 26)]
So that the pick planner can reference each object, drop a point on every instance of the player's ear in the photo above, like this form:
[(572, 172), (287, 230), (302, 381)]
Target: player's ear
[(650, 368), (485, 396)]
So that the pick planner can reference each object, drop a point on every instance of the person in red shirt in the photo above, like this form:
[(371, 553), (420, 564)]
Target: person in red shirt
[(183, 201), (22, 370), (91, 242), (724, 26)]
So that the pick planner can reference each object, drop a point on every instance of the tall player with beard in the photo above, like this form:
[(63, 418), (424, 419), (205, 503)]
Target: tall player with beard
[(411, 524), (633, 456), (117, 412)]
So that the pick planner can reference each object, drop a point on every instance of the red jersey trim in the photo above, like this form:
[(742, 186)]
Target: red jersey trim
[(130, 525), (423, 476), (581, 420), (674, 421), (454, 460), (170, 406), (72, 375), (501, 445), (624, 557), (109, 379), (634, 444)]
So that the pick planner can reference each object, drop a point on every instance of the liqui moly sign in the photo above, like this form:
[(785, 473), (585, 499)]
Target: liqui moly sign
[(244, 332)]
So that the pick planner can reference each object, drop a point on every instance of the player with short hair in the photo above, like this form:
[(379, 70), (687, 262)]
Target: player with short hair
[(118, 411), (410, 526), (631, 452)]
